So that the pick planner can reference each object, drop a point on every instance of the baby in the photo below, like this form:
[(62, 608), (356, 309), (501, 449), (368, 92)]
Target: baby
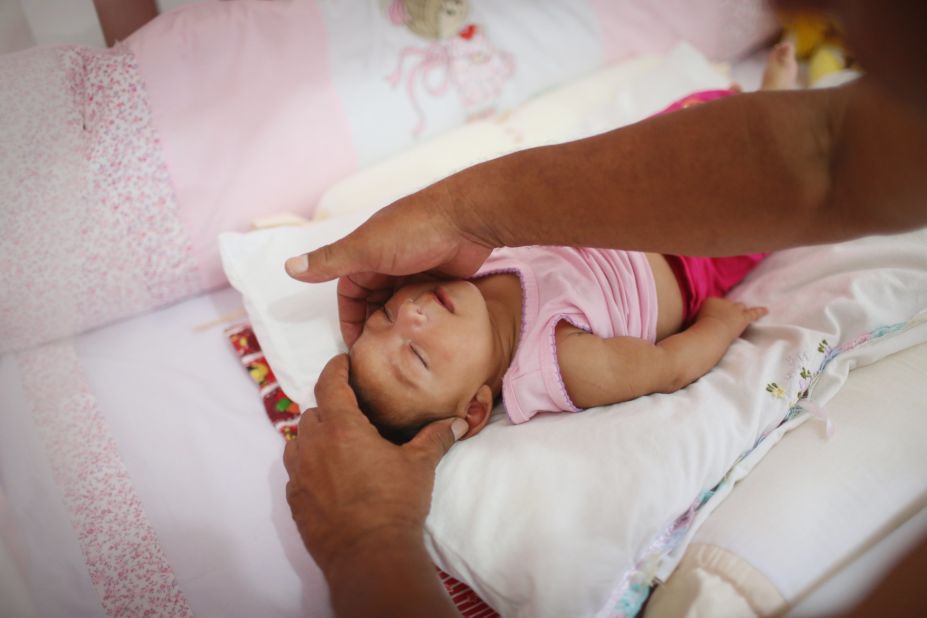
[(550, 329)]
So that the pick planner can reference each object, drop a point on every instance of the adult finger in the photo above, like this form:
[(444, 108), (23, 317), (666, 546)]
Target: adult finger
[(434, 440), (333, 394), (360, 251), (381, 245), (290, 457), (309, 417), (331, 261), (355, 292)]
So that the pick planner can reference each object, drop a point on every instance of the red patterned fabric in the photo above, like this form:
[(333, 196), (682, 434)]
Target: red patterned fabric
[(284, 416), (282, 412), (468, 604)]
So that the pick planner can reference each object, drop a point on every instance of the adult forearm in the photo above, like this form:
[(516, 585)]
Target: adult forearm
[(120, 18), (746, 173), (393, 578)]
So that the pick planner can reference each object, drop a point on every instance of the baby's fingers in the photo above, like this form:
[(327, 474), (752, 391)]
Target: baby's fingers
[(755, 313)]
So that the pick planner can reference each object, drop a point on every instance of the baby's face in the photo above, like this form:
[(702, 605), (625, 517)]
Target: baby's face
[(424, 355)]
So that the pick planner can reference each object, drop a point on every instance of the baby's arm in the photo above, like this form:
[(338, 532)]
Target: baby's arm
[(598, 371)]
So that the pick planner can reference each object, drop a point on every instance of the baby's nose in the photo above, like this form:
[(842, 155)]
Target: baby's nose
[(413, 313)]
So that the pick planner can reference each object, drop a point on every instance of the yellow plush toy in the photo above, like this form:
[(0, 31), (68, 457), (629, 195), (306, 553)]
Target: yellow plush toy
[(817, 41)]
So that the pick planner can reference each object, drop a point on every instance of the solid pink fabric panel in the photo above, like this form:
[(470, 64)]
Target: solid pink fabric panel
[(720, 29), (250, 124)]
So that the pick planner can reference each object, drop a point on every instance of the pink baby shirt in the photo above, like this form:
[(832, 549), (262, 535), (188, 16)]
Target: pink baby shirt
[(607, 292)]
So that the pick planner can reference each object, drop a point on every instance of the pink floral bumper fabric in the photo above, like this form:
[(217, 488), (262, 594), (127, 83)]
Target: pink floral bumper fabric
[(89, 226)]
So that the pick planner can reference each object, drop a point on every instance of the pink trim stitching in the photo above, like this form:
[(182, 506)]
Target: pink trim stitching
[(552, 339), (124, 558)]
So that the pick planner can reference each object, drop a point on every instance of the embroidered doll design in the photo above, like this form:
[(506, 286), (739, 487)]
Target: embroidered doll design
[(457, 55)]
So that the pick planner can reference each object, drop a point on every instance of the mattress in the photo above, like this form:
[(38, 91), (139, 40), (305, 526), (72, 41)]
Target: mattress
[(148, 473)]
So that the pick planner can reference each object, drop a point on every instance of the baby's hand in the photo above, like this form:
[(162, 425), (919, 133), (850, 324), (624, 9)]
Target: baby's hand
[(736, 316)]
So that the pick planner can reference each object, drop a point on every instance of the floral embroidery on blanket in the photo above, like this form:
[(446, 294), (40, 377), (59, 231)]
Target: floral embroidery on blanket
[(806, 378)]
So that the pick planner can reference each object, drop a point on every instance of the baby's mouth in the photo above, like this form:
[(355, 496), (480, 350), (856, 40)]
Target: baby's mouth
[(443, 298)]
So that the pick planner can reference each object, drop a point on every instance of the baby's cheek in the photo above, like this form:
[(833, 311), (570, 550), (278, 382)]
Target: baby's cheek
[(466, 354)]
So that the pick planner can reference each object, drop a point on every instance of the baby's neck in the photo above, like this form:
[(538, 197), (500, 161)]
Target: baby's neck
[(503, 295)]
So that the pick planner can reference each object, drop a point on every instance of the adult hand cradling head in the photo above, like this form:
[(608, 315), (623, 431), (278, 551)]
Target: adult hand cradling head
[(365, 508), (421, 233)]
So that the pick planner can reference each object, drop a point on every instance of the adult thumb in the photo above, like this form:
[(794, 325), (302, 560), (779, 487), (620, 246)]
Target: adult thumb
[(328, 262), (436, 439)]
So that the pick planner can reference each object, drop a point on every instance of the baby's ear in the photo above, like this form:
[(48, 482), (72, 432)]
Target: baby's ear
[(479, 410)]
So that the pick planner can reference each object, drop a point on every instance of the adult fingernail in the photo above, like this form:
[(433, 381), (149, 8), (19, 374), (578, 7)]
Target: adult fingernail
[(297, 265), (459, 427)]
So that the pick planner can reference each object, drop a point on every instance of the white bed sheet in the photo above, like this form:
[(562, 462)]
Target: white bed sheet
[(200, 455), (850, 584)]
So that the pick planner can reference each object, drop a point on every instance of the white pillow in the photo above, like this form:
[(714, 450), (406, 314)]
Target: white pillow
[(295, 323)]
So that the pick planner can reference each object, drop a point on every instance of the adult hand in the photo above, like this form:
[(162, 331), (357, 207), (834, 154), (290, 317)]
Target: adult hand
[(416, 234), (349, 489)]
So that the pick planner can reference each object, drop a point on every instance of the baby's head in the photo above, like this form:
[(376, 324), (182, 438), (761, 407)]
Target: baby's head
[(426, 354)]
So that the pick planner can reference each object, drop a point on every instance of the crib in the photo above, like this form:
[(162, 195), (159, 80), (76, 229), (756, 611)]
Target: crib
[(140, 472)]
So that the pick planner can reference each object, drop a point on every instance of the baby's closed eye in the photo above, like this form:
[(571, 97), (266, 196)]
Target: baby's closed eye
[(418, 352)]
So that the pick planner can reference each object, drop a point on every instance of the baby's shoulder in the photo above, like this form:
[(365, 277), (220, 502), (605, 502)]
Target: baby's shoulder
[(566, 335)]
